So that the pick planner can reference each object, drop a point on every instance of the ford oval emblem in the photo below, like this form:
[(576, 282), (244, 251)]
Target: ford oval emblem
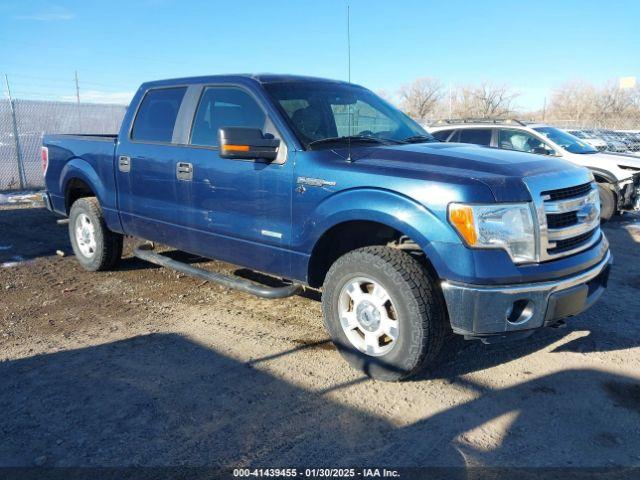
[(587, 213)]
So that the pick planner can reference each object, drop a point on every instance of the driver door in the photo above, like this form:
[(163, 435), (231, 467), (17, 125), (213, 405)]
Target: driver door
[(235, 210)]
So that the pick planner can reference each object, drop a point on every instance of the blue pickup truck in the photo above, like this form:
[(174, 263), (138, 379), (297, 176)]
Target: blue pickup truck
[(323, 184)]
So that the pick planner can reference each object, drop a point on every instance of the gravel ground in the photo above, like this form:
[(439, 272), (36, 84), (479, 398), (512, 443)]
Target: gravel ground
[(142, 366)]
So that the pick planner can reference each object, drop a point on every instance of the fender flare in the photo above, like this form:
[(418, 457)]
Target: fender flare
[(77, 168), (386, 207)]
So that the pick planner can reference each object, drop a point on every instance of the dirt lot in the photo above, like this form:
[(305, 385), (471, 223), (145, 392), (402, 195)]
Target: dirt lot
[(142, 366)]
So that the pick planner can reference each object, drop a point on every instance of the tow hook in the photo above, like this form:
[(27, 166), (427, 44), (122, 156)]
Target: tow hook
[(559, 324)]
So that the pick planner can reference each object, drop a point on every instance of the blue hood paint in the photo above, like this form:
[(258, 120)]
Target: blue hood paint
[(502, 171)]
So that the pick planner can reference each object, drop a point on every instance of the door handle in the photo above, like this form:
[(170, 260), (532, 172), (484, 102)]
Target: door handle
[(184, 171), (124, 163)]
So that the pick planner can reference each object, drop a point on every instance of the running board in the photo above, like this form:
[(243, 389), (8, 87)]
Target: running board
[(144, 252)]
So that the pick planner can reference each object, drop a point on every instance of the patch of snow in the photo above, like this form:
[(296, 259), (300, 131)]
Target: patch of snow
[(19, 197), (15, 261)]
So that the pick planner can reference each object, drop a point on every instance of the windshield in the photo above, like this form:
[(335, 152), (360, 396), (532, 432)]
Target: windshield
[(319, 113), (566, 140)]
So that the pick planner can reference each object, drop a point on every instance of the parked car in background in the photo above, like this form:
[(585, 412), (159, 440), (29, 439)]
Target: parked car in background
[(618, 176), (597, 143), (324, 183), (614, 144), (632, 142)]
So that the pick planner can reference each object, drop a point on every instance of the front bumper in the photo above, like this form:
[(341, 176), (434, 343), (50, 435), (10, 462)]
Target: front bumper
[(484, 311)]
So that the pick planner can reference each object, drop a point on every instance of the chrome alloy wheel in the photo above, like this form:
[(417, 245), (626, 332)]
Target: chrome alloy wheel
[(85, 235), (368, 317)]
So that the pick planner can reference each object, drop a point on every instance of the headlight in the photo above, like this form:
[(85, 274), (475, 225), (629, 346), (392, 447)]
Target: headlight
[(502, 225)]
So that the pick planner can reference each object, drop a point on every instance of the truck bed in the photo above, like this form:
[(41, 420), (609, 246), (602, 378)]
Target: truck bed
[(70, 156)]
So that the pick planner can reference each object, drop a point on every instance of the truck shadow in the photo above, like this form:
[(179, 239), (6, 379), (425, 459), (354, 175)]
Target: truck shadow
[(27, 233), (162, 399)]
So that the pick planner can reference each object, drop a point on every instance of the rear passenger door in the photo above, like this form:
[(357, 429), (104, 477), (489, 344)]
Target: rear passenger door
[(145, 167)]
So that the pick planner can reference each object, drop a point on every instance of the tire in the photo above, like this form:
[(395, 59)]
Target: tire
[(96, 248), (607, 202), (414, 301)]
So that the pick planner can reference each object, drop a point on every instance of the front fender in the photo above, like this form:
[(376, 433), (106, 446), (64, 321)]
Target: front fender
[(612, 175), (429, 229)]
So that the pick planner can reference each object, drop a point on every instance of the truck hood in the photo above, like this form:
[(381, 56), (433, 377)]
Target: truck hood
[(501, 170)]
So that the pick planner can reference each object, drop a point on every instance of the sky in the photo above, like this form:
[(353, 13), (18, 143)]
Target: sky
[(533, 45)]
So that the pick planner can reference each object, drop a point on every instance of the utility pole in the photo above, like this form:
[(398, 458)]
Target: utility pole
[(450, 100), (16, 139), (78, 100), (544, 110)]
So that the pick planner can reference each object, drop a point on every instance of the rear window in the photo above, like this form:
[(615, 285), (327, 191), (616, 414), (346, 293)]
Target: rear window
[(478, 136), (157, 115)]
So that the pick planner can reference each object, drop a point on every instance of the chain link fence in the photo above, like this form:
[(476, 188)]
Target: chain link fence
[(24, 122)]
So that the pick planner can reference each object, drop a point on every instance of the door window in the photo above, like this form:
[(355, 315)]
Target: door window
[(522, 142), (442, 135), (157, 115), (478, 136), (224, 107)]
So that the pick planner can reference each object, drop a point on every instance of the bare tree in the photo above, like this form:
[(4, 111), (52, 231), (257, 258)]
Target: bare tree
[(583, 104), (573, 102), (613, 103), (485, 100), (421, 98)]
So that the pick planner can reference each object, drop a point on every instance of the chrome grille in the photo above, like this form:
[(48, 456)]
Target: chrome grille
[(571, 243), (568, 213), (559, 220), (569, 192)]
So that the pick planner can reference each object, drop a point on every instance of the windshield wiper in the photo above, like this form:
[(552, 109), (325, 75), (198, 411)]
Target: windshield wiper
[(354, 138), (419, 139)]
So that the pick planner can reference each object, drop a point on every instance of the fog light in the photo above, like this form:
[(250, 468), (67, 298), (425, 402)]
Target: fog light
[(521, 311)]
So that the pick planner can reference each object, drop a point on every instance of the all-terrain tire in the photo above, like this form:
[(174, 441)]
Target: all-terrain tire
[(607, 202), (421, 312), (108, 245)]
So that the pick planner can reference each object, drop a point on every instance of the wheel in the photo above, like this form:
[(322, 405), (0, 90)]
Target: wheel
[(383, 312), (95, 246), (607, 202)]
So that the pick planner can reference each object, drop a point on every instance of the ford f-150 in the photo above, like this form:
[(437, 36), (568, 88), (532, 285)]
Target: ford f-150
[(325, 185)]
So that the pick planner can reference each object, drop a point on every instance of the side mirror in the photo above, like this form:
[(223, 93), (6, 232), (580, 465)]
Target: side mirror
[(247, 144)]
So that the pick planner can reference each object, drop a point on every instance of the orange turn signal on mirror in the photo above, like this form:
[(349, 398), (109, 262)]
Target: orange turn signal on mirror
[(461, 217), (236, 148)]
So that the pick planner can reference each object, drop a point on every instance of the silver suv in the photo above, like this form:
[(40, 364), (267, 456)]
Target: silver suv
[(618, 175)]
